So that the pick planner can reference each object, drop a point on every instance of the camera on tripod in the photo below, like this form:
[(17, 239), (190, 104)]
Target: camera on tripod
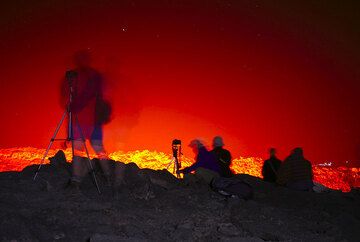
[(70, 74), (176, 148), (176, 160)]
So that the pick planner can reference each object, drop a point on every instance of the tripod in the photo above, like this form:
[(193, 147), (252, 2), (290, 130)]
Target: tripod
[(176, 160), (70, 76)]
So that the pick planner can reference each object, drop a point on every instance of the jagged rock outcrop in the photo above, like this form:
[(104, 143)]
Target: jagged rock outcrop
[(147, 205)]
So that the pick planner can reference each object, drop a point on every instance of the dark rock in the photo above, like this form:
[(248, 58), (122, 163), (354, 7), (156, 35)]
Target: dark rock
[(242, 239), (59, 159), (155, 206), (113, 238)]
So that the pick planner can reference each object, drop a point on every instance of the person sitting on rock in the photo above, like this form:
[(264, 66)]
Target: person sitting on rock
[(206, 167), (271, 167), (296, 172), (223, 156)]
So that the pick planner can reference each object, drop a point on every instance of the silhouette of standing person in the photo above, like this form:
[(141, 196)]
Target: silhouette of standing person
[(91, 113), (223, 156), (271, 167)]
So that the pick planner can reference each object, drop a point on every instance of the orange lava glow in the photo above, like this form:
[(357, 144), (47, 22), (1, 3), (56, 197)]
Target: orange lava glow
[(339, 178)]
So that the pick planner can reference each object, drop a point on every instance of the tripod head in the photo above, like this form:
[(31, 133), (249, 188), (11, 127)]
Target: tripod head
[(176, 148), (70, 75)]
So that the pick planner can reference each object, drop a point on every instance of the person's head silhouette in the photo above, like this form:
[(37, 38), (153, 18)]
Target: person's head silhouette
[(218, 142), (298, 152), (196, 144), (82, 58), (272, 152)]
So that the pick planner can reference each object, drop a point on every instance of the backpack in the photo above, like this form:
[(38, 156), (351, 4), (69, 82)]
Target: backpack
[(103, 111), (232, 187)]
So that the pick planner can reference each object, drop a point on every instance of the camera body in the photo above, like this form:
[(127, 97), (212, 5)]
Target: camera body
[(70, 75), (176, 149)]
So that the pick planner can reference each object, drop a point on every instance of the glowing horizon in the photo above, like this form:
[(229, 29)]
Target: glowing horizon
[(338, 178)]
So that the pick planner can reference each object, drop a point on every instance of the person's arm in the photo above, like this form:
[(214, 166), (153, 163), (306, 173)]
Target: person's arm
[(227, 158), (191, 168), (199, 160)]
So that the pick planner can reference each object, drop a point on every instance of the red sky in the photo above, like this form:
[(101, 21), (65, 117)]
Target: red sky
[(259, 73)]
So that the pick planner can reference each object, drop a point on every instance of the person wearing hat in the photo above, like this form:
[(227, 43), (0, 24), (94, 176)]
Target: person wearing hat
[(223, 156), (206, 167)]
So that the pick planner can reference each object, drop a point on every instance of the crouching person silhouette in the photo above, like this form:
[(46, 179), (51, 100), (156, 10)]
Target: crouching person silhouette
[(90, 111), (206, 167)]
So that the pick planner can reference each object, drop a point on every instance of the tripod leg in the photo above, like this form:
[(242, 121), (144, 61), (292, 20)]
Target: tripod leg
[(87, 154), (176, 168), (50, 144), (170, 163), (70, 133)]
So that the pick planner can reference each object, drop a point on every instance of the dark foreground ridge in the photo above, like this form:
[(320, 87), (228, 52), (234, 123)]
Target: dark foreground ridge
[(155, 206)]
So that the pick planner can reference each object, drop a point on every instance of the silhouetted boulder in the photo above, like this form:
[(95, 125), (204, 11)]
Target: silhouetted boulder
[(148, 205)]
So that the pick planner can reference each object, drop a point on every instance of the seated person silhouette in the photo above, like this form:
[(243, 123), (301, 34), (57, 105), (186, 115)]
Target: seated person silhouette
[(206, 167), (271, 167), (223, 156), (296, 172)]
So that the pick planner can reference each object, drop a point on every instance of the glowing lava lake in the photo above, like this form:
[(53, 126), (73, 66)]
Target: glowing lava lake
[(338, 178)]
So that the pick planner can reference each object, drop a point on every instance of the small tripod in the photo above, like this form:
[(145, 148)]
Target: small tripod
[(70, 76), (176, 160)]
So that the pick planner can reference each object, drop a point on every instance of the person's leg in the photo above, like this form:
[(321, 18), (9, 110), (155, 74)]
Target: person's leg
[(206, 175), (102, 156), (98, 146), (79, 167)]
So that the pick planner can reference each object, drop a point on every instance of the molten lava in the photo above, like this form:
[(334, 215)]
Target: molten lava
[(339, 178)]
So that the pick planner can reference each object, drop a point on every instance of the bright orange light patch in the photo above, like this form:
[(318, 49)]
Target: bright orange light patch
[(340, 178)]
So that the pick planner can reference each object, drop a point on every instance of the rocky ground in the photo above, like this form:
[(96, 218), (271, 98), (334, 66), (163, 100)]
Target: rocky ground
[(154, 206)]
